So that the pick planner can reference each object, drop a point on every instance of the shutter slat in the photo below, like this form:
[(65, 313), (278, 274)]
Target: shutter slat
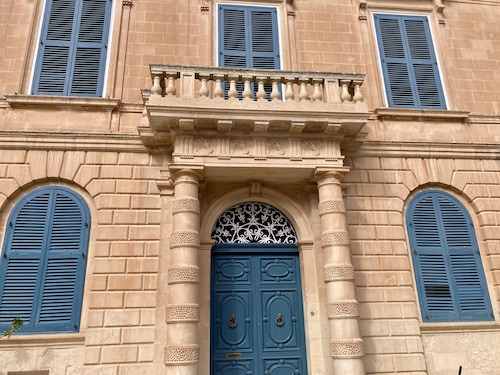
[(392, 41), (233, 30), (262, 32), (86, 72), (468, 282), (417, 39), (19, 276), (436, 283), (60, 24), (54, 70), (425, 224), (59, 291), (455, 224), (92, 21)]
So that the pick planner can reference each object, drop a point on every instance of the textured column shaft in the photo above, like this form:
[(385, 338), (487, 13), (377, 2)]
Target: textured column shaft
[(346, 345), (183, 311)]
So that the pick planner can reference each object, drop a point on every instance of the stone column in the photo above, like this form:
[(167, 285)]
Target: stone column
[(346, 345), (183, 311)]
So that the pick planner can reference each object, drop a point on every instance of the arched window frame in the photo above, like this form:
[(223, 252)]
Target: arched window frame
[(449, 273), (42, 269)]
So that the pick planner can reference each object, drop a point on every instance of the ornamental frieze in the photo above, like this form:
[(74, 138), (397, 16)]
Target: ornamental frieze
[(256, 148)]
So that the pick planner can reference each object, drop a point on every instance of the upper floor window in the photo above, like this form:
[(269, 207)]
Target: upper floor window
[(408, 60), (248, 37), (448, 269), (72, 53), (42, 269)]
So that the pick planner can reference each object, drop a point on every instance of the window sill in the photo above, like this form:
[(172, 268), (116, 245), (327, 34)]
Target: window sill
[(70, 102), (44, 339), (410, 114), (459, 327)]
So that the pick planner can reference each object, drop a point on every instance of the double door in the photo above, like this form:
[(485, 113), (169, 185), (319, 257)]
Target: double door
[(257, 323)]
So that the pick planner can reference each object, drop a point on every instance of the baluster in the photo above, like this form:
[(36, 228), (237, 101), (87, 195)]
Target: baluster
[(303, 95), (261, 93), (204, 92), (275, 93), (358, 97), (170, 90), (289, 95), (156, 88), (218, 92), (232, 93), (345, 96), (247, 90), (316, 96)]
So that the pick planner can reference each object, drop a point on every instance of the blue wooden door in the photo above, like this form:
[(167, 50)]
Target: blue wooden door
[(257, 323)]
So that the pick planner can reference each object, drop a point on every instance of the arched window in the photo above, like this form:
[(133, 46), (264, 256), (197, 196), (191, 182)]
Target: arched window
[(254, 222), (448, 269), (42, 269)]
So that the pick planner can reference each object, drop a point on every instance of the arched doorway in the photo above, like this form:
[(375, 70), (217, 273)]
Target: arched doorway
[(257, 322)]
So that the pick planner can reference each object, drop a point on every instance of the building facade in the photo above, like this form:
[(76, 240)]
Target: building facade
[(265, 187)]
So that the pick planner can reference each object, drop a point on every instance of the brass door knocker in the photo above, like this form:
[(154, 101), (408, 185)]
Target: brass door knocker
[(279, 320), (232, 323)]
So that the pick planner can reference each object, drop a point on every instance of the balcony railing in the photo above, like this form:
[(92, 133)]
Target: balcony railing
[(172, 81)]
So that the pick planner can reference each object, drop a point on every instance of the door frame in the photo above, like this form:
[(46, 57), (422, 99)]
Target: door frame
[(259, 249)]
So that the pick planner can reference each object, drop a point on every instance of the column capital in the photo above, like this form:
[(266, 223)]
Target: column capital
[(330, 175), (191, 173)]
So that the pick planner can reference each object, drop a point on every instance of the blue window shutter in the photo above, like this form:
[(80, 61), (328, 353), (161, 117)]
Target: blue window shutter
[(43, 264), (248, 37), (264, 39), (409, 63), (22, 254), (448, 268), (233, 37), (73, 48)]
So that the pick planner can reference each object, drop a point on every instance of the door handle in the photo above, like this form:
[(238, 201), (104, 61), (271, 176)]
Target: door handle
[(279, 320), (232, 323)]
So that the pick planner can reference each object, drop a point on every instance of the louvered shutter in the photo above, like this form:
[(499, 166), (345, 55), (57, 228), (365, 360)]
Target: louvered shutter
[(43, 266), (448, 269), (22, 254), (409, 64), (248, 38), (72, 53)]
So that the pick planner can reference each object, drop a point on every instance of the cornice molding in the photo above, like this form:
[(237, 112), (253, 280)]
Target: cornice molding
[(33, 140), (67, 102), (442, 150), (404, 114)]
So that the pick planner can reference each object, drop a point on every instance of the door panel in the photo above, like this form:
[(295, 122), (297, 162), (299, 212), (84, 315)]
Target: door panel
[(257, 315), (288, 366), (231, 270), (279, 320), (232, 367), (277, 270), (233, 321)]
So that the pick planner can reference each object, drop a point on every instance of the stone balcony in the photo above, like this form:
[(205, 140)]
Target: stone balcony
[(266, 117)]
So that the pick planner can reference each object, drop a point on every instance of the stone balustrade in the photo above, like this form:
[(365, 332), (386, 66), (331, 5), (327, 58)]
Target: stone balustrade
[(172, 81)]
